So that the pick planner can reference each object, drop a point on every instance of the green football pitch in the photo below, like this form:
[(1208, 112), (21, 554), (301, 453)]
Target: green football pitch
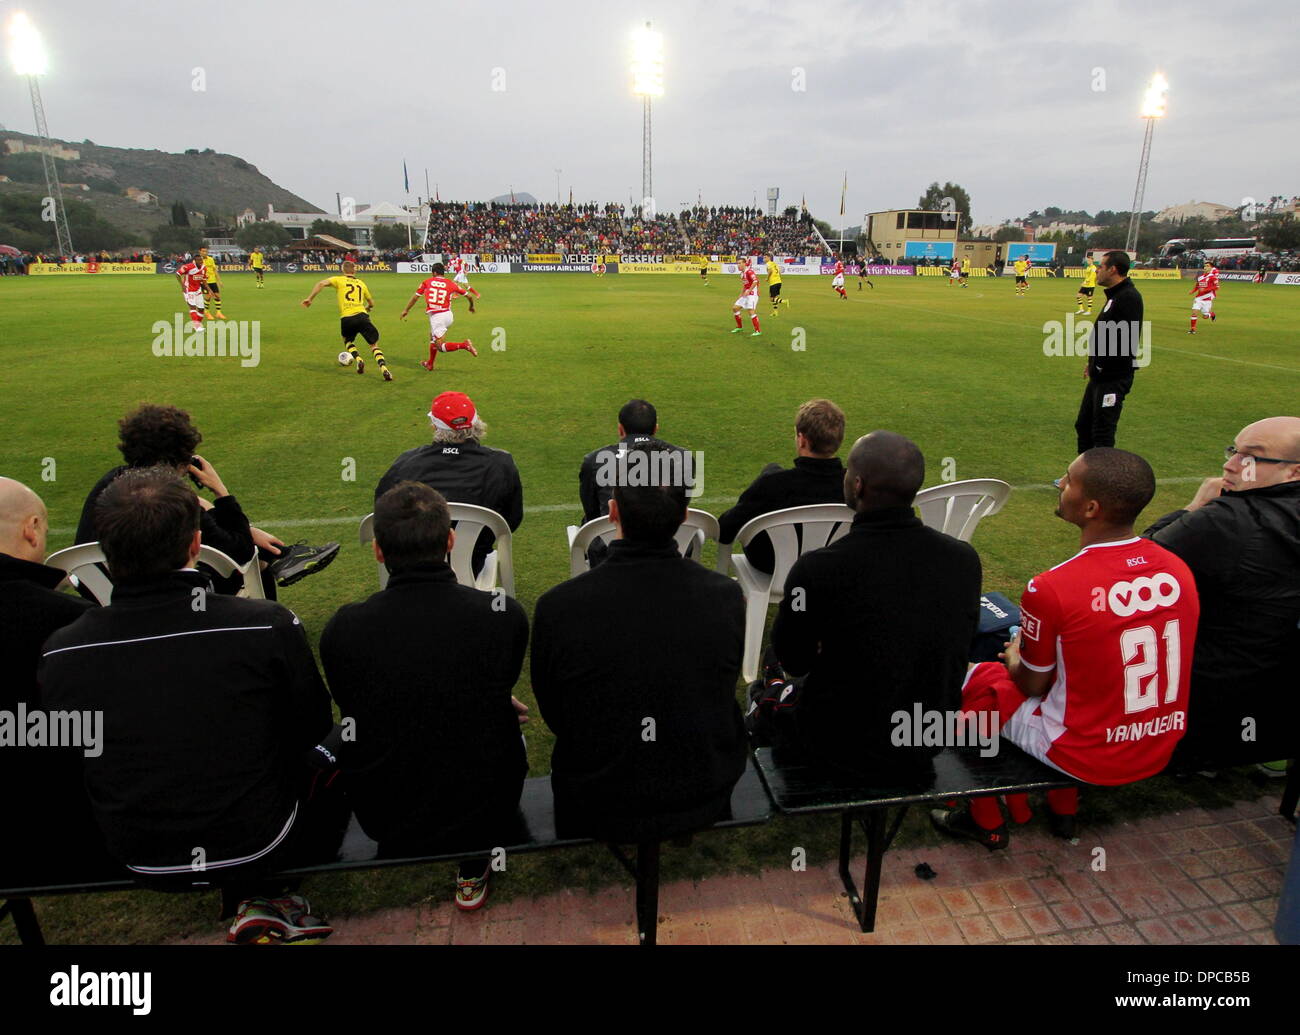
[(302, 441)]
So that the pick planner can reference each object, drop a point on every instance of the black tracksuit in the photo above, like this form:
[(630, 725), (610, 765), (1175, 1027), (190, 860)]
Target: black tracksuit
[(438, 756), (1244, 551), (811, 480), (883, 619), (464, 472), (46, 813), (1112, 360), (210, 704), (595, 496), (634, 665)]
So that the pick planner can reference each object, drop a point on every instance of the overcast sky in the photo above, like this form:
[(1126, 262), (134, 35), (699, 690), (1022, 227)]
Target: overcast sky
[(998, 97)]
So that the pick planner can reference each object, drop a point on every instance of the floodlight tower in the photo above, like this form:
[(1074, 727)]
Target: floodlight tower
[(1153, 108), (28, 55), (647, 82)]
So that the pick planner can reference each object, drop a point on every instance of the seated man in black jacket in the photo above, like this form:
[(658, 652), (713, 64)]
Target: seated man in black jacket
[(438, 762), (638, 423), (461, 468), (210, 706), (50, 834), (634, 665), (879, 622), (817, 477), (152, 435), (1240, 536)]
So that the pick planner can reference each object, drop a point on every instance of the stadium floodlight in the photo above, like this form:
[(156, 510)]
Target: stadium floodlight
[(647, 82), (27, 53), (1153, 108)]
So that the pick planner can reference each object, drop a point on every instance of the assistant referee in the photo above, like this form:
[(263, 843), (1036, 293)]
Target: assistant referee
[(1114, 349)]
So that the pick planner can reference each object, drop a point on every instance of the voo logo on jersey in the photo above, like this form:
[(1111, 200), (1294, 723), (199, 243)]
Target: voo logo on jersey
[(1145, 593)]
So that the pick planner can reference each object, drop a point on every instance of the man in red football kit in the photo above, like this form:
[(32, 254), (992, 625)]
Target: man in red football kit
[(1096, 684), (437, 292), (190, 276), (1207, 286), (458, 275), (837, 281), (748, 299)]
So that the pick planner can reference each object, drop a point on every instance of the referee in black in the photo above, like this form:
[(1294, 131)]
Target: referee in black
[(1113, 354)]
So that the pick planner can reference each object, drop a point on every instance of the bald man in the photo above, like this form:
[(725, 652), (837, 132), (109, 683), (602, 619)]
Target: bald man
[(1240, 535), (878, 622), (46, 809)]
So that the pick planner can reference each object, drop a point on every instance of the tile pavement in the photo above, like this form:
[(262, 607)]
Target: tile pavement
[(1197, 876)]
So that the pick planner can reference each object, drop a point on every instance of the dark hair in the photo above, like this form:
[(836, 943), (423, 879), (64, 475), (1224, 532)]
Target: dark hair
[(439, 269), (145, 519), (411, 525), (650, 491), (1122, 482), (638, 417), (1118, 261), (157, 435), (821, 422), (891, 467)]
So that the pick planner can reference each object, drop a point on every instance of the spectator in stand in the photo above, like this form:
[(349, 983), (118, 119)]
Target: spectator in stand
[(51, 832), (816, 477), (438, 762), (152, 435), (638, 423), (211, 707), (461, 468), (878, 622), (1240, 536), (649, 741)]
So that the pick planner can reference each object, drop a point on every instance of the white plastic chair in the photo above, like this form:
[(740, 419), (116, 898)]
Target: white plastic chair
[(690, 537), (957, 507), (468, 521), (82, 564), (818, 525)]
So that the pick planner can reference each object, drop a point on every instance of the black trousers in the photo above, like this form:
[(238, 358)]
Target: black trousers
[(1103, 401)]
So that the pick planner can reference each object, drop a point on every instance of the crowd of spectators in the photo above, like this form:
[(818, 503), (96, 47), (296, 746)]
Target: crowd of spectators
[(616, 229)]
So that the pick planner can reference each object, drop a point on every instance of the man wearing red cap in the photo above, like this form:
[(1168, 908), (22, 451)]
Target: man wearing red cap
[(461, 468)]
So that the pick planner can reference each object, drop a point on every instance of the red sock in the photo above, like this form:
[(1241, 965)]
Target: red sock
[(755, 322), (1018, 806), (1064, 801), (738, 320), (1193, 323), (985, 812), (195, 317), (452, 346), (473, 292), (433, 351)]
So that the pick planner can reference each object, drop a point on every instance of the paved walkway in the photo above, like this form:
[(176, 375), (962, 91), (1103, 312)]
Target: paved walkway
[(1197, 876)]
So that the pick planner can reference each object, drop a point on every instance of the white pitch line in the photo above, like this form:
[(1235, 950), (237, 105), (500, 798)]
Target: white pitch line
[(1167, 349), (555, 508)]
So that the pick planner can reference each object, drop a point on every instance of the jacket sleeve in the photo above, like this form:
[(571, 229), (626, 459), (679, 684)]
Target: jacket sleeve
[(587, 489), (750, 505), (1203, 538), (541, 667), (795, 632), (513, 507), (225, 528), (307, 716)]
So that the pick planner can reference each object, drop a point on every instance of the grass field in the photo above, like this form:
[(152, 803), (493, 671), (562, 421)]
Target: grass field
[(963, 372)]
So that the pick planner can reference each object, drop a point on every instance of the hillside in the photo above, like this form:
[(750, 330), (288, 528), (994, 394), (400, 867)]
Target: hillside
[(205, 181)]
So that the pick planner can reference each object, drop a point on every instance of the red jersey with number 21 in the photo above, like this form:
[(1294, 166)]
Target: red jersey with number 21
[(1118, 623), (437, 292)]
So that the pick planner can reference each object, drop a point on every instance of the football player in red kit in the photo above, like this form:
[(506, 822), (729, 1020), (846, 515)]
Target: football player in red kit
[(748, 299), (438, 291), (1096, 683)]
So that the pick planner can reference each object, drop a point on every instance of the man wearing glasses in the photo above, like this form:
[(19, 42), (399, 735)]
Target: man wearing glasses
[(1113, 354), (1240, 535)]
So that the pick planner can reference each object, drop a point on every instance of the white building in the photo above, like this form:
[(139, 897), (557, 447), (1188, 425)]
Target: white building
[(361, 222)]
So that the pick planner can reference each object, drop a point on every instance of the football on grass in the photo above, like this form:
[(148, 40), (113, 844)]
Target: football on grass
[(345, 358)]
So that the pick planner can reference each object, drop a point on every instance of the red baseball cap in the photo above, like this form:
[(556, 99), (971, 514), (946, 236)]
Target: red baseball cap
[(452, 411)]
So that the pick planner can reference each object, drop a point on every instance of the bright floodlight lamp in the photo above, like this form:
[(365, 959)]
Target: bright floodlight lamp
[(1153, 108), (26, 51), (647, 82)]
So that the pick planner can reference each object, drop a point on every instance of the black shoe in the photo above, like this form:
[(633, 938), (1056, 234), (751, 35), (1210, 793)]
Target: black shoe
[(958, 823), (1061, 826), (300, 560)]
